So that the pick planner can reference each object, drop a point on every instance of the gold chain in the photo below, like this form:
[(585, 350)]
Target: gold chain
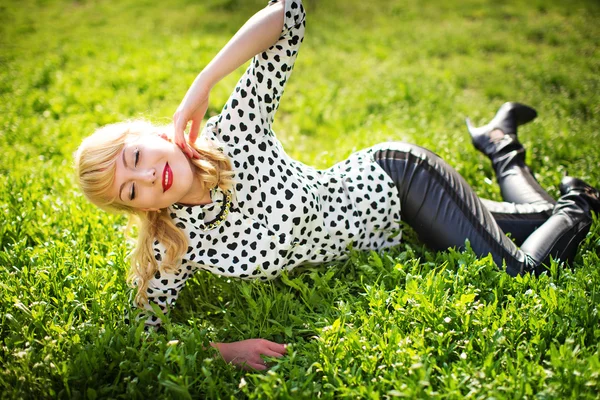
[(221, 217)]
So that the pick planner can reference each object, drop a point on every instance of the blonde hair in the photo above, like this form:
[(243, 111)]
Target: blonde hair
[(95, 164)]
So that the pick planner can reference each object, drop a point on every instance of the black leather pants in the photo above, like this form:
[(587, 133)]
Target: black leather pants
[(445, 211)]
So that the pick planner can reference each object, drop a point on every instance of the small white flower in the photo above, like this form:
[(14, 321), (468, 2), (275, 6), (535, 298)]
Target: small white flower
[(20, 354)]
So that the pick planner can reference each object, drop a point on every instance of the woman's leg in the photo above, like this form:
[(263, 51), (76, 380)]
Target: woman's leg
[(498, 140), (526, 204), (444, 211), (519, 220)]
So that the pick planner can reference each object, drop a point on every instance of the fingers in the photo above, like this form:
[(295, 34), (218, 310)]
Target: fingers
[(187, 150), (255, 365), (181, 143), (271, 353), (262, 364), (179, 138), (194, 152), (179, 125), (279, 348), (195, 128)]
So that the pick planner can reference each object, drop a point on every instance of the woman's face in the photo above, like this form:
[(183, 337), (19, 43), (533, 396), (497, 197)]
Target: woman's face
[(151, 173)]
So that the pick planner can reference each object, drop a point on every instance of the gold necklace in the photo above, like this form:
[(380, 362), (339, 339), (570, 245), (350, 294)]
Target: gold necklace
[(221, 216)]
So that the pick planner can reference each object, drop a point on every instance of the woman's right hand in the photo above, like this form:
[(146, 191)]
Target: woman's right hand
[(192, 108), (257, 34)]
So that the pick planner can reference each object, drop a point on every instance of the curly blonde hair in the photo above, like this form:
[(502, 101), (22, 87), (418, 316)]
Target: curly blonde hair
[(95, 165)]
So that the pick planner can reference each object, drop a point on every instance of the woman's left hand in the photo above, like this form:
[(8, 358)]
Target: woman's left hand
[(247, 354)]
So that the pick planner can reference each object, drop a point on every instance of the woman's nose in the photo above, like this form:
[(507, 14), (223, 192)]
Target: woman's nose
[(147, 176)]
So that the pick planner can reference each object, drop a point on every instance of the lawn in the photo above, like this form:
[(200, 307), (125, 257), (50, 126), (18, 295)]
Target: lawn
[(400, 323)]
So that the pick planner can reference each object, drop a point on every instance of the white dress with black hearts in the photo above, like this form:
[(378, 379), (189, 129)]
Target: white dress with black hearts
[(283, 212)]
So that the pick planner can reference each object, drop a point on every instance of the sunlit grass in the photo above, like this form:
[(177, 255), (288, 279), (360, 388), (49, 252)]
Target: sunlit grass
[(406, 322)]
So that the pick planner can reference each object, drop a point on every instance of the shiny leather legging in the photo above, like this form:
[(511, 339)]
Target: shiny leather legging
[(445, 211)]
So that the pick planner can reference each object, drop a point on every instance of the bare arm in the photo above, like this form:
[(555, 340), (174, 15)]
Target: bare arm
[(260, 32), (257, 34)]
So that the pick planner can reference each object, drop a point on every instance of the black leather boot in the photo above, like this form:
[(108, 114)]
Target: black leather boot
[(570, 185), (498, 140), (560, 236), (507, 119)]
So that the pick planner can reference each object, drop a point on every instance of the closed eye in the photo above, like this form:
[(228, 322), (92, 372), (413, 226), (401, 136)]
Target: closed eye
[(136, 159)]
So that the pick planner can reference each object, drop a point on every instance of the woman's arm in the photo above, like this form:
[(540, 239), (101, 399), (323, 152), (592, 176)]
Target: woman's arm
[(257, 34), (260, 32)]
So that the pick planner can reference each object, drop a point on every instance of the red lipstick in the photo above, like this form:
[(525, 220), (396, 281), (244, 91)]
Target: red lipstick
[(167, 178)]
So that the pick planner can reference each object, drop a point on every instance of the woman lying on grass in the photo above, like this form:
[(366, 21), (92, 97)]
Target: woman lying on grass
[(233, 203)]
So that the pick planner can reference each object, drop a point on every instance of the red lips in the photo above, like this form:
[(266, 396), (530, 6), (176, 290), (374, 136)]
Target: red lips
[(167, 178)]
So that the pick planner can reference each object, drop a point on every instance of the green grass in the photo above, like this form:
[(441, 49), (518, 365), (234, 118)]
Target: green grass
[(406, 323)]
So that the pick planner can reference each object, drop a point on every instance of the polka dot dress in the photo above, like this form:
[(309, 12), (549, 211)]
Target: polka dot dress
[(283, 213)]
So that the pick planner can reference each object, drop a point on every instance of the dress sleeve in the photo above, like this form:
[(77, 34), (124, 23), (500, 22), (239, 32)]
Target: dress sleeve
[(164, 287), (252, 105), (250, 251)]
